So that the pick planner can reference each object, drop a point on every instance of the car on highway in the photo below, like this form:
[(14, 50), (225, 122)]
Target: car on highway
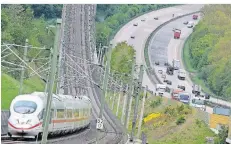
[(143, 19), (133, 37), (198, 103), (181, 86), (190, 24), (160, 89), (186, 22), (184, 97), (181, 74), (168, 82), (156, 18), (135, 24)]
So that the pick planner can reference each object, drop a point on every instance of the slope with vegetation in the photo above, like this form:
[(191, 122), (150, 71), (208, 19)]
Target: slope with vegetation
[(18, 23), (168, 121), (207, 51)]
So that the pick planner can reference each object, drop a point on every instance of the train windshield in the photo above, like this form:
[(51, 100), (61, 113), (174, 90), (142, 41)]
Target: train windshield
[(25, 107)]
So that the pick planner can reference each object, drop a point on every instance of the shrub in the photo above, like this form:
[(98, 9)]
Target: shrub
[(156, 103), (170, 111), (180, 120)]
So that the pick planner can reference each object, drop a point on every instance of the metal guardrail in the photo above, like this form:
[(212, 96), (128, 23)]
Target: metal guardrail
[(4, 121), (151, 71)]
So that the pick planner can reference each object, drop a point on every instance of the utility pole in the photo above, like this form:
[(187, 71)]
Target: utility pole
[(47, 80), (124, 104), (105, 81), (129, 92), (114, 93), (23, 68), (118, 103), (129, 109), (142, 112), (137, 95), (47, 116)]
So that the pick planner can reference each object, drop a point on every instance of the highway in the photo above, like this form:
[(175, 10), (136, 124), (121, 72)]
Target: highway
[(144, 29), (163, 47)]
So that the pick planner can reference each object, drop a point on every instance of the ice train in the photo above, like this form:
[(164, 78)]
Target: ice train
[(67, 114)]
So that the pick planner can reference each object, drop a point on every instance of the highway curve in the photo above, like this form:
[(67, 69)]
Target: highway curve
[(144, 29), (163, 47)]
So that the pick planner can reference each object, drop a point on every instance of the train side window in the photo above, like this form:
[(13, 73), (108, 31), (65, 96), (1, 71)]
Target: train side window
[(76, 113), (80, 112), (60, 113), (69, 113)]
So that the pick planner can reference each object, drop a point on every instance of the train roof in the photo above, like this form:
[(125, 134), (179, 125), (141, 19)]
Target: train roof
[(61, 97)]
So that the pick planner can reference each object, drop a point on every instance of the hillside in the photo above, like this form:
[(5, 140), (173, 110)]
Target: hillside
[(209, 52)]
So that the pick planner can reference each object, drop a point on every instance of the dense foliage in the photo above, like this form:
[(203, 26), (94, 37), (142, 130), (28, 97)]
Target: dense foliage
[(122, 58), (210, 50), (19, 24)]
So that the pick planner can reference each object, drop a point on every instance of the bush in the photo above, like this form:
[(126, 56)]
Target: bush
[(180, 120), (156, 103), (170, 111)]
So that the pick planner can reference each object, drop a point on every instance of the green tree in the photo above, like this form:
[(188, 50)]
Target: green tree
[(122, 58)]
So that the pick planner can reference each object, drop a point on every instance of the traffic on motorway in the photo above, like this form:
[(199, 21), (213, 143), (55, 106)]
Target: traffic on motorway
[(172, 72)]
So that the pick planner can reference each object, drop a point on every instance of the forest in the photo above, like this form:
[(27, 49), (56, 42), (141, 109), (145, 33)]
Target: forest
[(209, 49)]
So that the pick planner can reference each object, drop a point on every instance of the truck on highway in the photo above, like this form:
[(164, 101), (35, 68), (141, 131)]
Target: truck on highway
[(177, 33), (196, 89), (198, 103), (160, 89), (184, 97), (181, 74), (176, 64), (175, 94)]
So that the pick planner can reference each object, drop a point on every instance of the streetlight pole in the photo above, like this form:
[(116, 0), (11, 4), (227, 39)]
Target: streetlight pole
[(23, 68), (47, 116)]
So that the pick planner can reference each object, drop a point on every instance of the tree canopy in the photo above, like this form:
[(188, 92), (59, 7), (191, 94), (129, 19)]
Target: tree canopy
[(210, 50), (122, 58)]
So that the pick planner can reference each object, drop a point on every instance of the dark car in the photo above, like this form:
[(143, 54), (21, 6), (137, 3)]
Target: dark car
[(142, 20), (135, 24), (169, 82), (156, 18), (186, 22), (132, 37), (181, 87)]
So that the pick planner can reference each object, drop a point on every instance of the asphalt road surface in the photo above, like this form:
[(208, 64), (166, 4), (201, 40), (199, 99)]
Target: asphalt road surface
[(144, 29)]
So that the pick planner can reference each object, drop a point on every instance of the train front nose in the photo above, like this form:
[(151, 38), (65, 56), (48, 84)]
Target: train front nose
[(23, 127)]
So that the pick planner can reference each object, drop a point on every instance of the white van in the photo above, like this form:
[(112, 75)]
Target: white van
[(198, 103), (190, 24), (181, 74), (176, 64), (160, 89)]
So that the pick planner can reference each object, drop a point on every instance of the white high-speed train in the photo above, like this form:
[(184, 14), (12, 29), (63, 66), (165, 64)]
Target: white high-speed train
[(67, 114)]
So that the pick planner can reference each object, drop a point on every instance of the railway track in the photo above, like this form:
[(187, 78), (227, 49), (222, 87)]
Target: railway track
[(76, 40)]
